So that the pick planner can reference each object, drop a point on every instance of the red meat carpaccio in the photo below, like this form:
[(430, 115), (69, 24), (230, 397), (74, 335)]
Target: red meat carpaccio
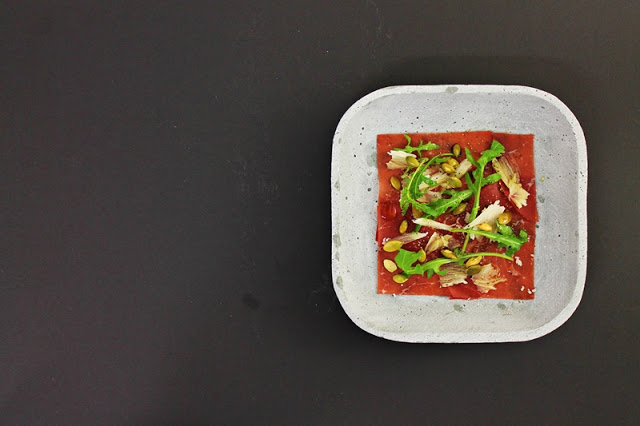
[(518, 273)]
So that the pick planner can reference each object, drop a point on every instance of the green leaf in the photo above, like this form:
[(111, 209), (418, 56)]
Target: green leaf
[(443, 159), (523, 237), (429, 146), (410, 192), (479, 180), (504, 237), (470, 157), (405, 260), (492, 178), (496, 150), (504, 229), (437, 207)]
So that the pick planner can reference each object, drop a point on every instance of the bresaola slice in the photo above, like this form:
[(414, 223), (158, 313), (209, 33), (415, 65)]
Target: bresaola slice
[(518, 277)]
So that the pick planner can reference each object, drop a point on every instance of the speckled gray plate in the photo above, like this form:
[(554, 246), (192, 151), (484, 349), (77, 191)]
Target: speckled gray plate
[(561, 240)]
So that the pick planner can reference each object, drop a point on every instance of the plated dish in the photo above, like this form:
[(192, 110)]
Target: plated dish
[(559, 152)]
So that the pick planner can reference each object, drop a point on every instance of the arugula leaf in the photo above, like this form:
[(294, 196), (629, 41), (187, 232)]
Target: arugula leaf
[(443, 159), (410, 193), (430, 182), (479, 180), (492, 178), (504, 229), (522, 236), (437, 207), (405, 260), (429, 146), (495, 151), (505, 237)]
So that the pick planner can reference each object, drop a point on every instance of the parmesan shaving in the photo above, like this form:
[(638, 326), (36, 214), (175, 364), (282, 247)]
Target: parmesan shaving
[(409, 237), (438, 176), (463, 168), (487, 278), (432, 224), (517, 194), (399, 159), (437, 241), (489, 215), (456, 274)]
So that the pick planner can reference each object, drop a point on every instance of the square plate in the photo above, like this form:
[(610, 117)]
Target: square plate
[(561, 243)]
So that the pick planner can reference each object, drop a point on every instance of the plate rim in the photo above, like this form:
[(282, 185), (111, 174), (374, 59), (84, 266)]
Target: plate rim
[(581, 251)]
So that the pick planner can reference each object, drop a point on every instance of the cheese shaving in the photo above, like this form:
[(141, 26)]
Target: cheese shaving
[(510, 176), (409, 237), (489, 215), (432, 224), (487, 278), (399, 159), (463, 168), (456, 274), (437, 241)]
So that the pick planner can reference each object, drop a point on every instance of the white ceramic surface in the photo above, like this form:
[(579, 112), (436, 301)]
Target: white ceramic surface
[(561, 240)]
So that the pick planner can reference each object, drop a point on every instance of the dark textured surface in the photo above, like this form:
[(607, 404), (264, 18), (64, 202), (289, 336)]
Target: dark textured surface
[(165, 216)]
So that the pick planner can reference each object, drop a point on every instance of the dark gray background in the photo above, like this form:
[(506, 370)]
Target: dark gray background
[(165, 212)]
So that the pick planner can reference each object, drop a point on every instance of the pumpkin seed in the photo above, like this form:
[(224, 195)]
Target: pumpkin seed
[(395, 182), (473, 261), (454, 182), (453, 162), (417, 213), (399, 278), (392, 246), (448, 168), (413, 162), (504, 218), (461, 208), (448, 254), (390, 265), (484, 226), (472, 270)]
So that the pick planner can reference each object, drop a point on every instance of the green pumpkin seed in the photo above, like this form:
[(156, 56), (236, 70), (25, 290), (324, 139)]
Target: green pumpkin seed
[(484, 226), (454, 182), (448, 254), (389, 265), (504, 218), (417, 214), (472, 270), (399, 278), (392, 246), (395, 182), (453, 162), (473, 261), (461, 208), (448, 168), (412, 162)]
